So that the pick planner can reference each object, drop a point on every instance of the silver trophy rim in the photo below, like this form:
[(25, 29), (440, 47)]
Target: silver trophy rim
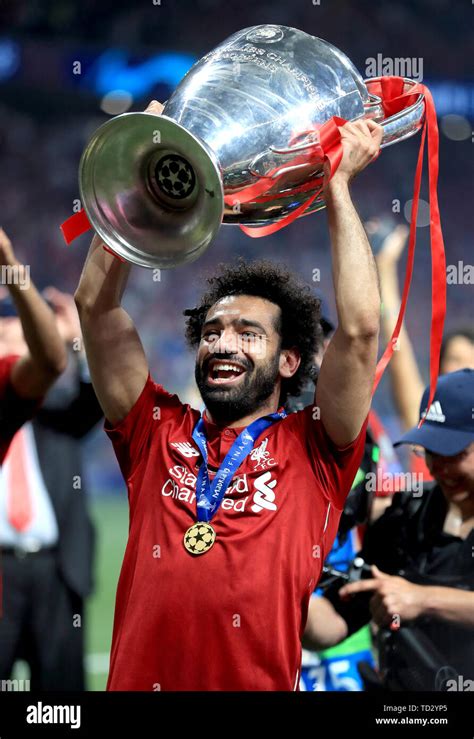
[(203, 161)]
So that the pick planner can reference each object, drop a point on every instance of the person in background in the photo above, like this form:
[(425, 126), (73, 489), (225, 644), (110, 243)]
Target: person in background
[(458, 346), (25, 380), (48, 553), (420, 591)]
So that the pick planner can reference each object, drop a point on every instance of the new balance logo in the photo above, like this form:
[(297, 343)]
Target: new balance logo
[(185, 448), (435, 413), (264, 495)]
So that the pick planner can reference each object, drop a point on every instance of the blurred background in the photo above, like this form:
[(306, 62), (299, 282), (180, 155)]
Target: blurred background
[(66, 67)]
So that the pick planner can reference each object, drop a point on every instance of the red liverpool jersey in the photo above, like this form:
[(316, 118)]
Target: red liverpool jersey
[(231, 618)]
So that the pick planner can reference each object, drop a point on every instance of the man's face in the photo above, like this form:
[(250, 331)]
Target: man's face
[(455, 474), (458, 355), (239, 361)]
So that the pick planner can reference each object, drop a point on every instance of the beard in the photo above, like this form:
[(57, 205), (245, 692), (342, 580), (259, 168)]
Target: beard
[(228, 404)]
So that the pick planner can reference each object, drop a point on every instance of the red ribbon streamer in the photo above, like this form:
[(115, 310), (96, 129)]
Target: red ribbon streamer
[(328, 148), (78, 224), (75, 226), (391, 90), (394, 99)]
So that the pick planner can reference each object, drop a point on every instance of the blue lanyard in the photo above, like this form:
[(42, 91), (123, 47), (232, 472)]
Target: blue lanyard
[(209, 496)]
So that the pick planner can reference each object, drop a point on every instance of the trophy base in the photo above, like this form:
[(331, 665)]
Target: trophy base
[(151, 190)]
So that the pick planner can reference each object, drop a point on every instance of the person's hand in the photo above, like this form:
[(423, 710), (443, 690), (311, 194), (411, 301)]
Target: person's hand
[(7, 256), (392, 597), (154, 107), (65, 311), (393, 246), (361, 144)]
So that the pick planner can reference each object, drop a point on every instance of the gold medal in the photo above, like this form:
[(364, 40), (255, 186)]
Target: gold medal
[(199, 538)]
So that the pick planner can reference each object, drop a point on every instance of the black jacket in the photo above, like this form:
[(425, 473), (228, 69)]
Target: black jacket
[(69, 412), (408, 540)]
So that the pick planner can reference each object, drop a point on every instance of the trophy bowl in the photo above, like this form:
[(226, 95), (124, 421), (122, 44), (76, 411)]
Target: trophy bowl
[(157, 188)]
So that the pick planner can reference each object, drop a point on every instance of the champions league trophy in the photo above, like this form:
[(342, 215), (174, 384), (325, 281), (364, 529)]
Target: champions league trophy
[(237, 143)]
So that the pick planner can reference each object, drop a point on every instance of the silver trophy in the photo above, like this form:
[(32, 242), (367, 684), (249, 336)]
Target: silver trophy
[(241, 122)]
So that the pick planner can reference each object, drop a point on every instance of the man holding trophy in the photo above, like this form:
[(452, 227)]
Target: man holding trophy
[(233, 512)]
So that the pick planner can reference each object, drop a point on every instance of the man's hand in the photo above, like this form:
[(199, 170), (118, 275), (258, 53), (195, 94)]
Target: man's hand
[(7, 256), (392, 596), (392, 247), (155, 107), (361, 145), (65, 311)]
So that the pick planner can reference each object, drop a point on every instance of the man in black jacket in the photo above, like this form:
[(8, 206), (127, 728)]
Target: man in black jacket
[(47, 564), (421, 593)]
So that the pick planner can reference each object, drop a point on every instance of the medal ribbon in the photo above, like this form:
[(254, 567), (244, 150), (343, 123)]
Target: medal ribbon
[(209, 495)]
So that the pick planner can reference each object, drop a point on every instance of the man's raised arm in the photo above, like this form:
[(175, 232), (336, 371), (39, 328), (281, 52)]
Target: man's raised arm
[(344, 387), (117, 361), (33, 374)]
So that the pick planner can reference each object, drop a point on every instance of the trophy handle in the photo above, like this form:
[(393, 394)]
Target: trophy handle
[(396, 128), (279, 161), (400, 126)]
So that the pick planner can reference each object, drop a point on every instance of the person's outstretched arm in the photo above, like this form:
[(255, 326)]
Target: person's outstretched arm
[(344, 388), (394, 596), (81, 412), (117, 362), (34, 373), (405, 377)]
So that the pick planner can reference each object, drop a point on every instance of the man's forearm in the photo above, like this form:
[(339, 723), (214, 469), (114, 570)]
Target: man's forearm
[(354, 271), (103, 280), (449, 604), (117, 361), (406, 380), (45, 345), (325, 627)]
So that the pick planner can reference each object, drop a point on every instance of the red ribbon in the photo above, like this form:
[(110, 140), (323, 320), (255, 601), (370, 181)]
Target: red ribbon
[(75, 226), (394, 99), (391, 90), (328, 149), (78, 224)]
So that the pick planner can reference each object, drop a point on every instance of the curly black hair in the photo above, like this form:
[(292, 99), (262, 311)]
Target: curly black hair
[(299, 324)]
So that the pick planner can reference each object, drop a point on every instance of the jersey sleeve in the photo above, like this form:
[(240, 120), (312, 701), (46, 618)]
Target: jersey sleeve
[(335, 467), (131, 436), (6, 365)]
